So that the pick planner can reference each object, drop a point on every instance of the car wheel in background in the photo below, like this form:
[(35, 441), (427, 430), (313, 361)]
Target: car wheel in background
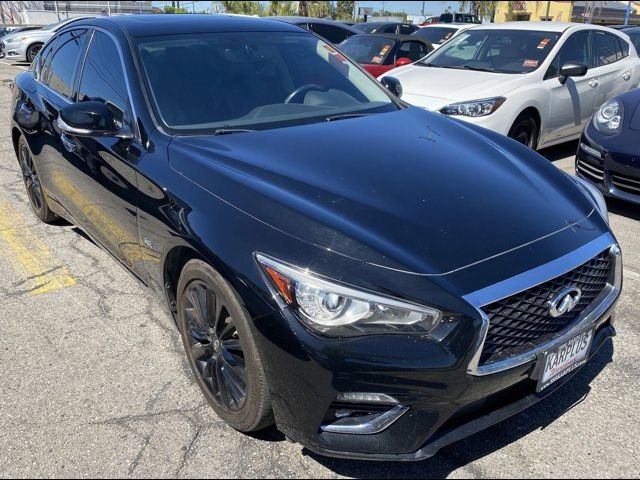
[(32, 183), (525, 130), (221, 350), (32, 51)]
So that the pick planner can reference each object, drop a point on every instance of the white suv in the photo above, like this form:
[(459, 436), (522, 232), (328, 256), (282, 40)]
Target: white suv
[(537, 82)]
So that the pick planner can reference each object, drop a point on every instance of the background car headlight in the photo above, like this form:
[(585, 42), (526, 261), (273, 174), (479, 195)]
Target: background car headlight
[(338, 310), (608, 119), (594, 195), (474, 108)]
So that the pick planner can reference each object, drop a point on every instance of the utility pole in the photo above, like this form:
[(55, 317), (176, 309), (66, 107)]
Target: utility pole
[(548, 11), (57, 10), (628, 15), (423, 8)]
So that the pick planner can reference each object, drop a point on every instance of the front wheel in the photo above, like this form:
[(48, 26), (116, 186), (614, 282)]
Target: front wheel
[(32, 51), (525, 130), (221, 350)]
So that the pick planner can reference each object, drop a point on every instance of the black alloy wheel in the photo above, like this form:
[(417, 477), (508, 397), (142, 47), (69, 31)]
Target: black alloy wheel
[(215, 346), (32, 51), (33, 185), (525, 130), (222, 353)]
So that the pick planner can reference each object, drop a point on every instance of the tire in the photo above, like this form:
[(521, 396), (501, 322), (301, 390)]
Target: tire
[(526, 130), (221, 349), (32, 184), (32, 51)]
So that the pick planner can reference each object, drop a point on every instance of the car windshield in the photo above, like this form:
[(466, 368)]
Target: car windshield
[(254, 80), (436, 35), (367, 27), (365, 49), (500, 51)]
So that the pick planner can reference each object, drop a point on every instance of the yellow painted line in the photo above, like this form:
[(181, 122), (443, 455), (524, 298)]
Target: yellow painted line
[(37, 269)]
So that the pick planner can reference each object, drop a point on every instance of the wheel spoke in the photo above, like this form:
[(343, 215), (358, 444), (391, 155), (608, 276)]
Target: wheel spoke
[(199, 350)]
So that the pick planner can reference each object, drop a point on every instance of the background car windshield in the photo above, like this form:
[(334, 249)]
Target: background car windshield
[(254, 80), (367, 49), (501, 51), (366, 27), (436, 35)]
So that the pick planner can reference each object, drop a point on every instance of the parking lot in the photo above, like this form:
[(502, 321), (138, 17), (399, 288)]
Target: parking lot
[(94, 382)]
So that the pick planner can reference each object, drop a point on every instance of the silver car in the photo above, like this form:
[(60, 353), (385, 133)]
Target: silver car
[(24, 46)]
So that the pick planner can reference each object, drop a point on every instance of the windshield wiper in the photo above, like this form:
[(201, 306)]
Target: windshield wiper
[(345, 116), (478, 69), (229, 131)]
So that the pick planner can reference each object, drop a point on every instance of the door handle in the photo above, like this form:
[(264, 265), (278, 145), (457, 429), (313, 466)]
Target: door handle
[(594, 83), (69, 145), (626, 76)]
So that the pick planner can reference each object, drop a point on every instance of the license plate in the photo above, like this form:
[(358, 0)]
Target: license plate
[(565, 358)]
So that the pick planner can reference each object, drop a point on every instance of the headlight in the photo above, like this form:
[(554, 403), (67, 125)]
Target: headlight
[(595, 196), (474, 108), (608, 120), (337, 310), (11, 40)]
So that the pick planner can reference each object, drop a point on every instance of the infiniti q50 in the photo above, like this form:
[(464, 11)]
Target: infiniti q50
[(375, 279)]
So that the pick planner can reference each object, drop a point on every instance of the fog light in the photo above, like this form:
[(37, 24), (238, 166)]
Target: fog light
[(590, 150), (363, 397)]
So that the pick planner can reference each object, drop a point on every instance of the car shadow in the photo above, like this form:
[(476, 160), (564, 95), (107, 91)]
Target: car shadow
[(466, 451), (560, 152), (625, 209)]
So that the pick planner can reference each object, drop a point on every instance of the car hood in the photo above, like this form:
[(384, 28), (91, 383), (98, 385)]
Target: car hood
[(408, 190), (434, 88), (31, 34)]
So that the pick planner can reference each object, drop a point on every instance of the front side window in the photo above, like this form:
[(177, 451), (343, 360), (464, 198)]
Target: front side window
[(103, 79), (42, 61), (64, 60), (499, 51), (607, 48), (368, 49), (253, 80), (575, 50), (330, 32), (414, 51)]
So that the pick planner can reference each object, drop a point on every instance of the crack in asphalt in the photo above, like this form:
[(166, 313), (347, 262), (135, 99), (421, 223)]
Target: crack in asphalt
[(187, 450)]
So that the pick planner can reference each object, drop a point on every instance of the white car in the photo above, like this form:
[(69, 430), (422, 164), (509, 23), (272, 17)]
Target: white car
[(537, 82), (440, 33)]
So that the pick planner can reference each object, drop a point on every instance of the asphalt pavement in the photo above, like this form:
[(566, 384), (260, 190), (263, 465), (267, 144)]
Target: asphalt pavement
[(94, 382)]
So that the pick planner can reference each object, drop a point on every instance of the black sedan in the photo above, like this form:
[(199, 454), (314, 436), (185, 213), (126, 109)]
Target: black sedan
[(396, 28), (376, 279), (609, 152), (334, 32)]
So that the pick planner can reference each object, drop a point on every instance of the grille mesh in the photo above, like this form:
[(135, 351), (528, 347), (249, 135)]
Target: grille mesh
[(522, 322)]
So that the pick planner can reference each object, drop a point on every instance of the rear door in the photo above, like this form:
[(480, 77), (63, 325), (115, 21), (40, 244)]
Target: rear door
[(102, 170), (571, 104), (612, 66)]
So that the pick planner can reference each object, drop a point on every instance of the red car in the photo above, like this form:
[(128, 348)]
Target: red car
[(380, 53)]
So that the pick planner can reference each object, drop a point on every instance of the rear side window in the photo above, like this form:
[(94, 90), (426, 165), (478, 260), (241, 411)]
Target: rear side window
[(406, 29), (607, 48), (330, 32), (414, 51), (103, 78), (64, 61), (635, 39), (575, 50)]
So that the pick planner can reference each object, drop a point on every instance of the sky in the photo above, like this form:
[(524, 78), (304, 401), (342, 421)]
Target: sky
[(412, 8)]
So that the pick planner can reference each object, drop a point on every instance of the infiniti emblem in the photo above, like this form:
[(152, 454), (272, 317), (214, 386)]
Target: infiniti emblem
[(564, 301)]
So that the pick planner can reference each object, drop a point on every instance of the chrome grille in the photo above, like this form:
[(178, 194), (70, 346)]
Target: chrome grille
[(626, 184), (592, 172), (522, 322)]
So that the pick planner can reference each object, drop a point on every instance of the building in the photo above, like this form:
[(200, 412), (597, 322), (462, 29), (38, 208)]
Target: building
[(606, 13), (534, 11), (44, 13)]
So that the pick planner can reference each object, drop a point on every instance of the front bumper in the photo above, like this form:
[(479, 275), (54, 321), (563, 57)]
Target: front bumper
[(610, 164), (14, 51), (445, 396)]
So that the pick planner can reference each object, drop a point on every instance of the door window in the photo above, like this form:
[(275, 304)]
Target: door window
[(576, 50), (64, 61), (406, 29), (103, 78), (43, 59), (607, 48), (330, 32), (414, 51)]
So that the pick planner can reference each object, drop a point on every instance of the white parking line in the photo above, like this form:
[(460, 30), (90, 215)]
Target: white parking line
[(15, 66)]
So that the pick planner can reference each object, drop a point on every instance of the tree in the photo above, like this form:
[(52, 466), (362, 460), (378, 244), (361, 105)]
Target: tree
[(281, 8), (483, 10), (314, 9), (245, 8), (169, 9), (344, 10)]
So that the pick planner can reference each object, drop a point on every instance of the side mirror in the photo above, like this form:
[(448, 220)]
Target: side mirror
[(572, 69), (393, 85), (401, 62), (90, 119)]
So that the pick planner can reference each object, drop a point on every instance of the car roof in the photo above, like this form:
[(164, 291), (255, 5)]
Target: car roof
[(382, 23), (539, 26), (325, 21), (456, 26), (392, 36), (178, 24)]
